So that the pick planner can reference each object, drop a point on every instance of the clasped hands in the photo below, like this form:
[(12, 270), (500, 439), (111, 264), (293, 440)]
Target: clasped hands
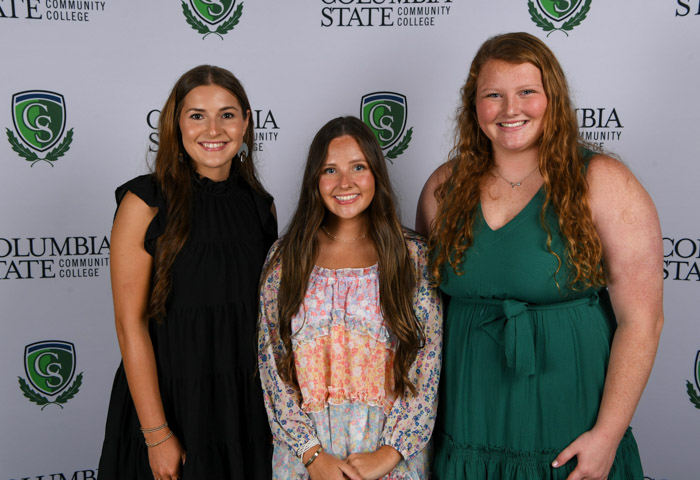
[(357, 466)]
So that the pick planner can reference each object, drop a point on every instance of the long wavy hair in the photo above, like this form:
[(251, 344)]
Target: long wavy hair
[(561, 165), (173, 170), (299, 248)]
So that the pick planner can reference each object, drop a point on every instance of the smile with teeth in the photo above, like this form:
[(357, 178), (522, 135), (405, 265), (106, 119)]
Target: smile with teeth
[(513, 124), (212, 145), (346, 198)]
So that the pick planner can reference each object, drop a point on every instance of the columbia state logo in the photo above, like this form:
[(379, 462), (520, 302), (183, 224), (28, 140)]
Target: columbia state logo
[(385, 113), (39, 118), (217, 17), (50, 366), (692, 393), (558, 15)]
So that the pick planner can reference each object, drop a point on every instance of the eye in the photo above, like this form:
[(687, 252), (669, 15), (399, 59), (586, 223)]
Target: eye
[(528, 91), (196, 116), (228, 115), (328, 170), (359, 167), (492, 95)]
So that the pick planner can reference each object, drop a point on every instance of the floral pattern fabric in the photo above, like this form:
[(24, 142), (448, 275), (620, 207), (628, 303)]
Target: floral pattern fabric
[(344, 354)]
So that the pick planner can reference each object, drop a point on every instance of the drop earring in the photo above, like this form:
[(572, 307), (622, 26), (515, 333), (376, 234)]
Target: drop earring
[(243, 152)]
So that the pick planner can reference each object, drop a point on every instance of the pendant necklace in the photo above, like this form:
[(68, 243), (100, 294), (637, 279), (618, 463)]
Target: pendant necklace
[(516, 184)]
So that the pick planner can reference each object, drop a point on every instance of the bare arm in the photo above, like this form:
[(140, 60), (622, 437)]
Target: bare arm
[(427, 203), (627, 223), (130, 272)]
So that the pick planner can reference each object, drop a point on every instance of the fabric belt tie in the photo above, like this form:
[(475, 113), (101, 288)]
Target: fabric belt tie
[(513, 329)]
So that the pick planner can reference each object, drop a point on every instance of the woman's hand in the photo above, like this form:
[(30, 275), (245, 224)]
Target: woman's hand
[(165, 459), (328, 467), (374, 465), (595, 453)]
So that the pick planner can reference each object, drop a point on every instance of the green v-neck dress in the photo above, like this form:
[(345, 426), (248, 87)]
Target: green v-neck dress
[(524, 358)]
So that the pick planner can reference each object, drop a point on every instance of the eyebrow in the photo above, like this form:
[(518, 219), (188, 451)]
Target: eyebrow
[(198, 109), (352, 162)]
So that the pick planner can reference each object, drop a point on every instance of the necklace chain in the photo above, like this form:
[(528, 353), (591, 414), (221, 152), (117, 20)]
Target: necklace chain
[(333, 237), (516, 184)]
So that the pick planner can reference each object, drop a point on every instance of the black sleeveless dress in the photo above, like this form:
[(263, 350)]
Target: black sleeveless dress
[(205, 348)]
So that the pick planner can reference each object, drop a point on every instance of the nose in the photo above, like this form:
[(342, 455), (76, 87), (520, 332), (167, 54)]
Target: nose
[(344, 179), (213, 126), (512, 105)]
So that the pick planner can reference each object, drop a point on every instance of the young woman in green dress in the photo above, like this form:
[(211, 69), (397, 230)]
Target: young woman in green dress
[(551, 255)]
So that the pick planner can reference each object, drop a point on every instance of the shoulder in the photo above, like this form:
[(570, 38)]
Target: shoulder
[(438, 177), (145, 187), (427, 203), (273, 264), (611, 182), (601, 167), (417, 246), (616, 197)]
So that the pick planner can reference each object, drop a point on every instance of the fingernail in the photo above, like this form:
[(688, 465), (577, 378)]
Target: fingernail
[(555, 464)]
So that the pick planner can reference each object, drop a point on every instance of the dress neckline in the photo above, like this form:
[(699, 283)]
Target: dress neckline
[(357, 271), (216, 187), (529, 206)]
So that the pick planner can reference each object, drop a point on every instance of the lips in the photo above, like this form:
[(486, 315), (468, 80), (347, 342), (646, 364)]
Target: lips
[(213, 145), (512, 124), (346, 198)]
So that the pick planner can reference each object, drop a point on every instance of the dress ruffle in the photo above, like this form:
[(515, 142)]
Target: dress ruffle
[(456, 461)]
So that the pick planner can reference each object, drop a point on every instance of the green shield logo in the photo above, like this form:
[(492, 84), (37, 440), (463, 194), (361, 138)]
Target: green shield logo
[(212, 11), (385, 114), (39, 117), (49, 365), (558, 10)]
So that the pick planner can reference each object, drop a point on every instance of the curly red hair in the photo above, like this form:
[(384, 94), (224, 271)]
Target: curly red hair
[(561, 165)]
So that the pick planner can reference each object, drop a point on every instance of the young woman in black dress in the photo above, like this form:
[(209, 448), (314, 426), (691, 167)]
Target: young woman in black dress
[(188, 244)]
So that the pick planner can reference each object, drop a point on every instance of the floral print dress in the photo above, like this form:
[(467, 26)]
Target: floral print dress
[(344, 354)]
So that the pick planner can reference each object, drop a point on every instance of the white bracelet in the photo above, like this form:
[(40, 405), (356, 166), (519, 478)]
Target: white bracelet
[(307, 446)]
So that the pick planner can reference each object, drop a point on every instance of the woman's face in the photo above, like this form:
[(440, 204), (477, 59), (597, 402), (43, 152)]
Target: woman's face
[(346, 184), (212, 124), (511, 105)]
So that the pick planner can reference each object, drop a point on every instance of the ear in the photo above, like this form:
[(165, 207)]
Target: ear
[(247, 120)]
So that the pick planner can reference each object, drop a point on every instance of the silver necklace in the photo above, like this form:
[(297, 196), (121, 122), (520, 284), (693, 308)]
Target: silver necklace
[(334, 238), (515, 184)]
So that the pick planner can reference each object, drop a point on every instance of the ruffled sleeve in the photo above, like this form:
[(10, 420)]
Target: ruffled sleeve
[(147, 189), (409, 425), (289, 424)]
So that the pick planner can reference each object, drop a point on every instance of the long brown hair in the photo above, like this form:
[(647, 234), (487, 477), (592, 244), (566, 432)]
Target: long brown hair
[(299, 248), (173, 171), (561, 165)]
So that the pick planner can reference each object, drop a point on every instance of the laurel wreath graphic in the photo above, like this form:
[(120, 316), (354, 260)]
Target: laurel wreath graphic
[(400, 147), (221, 30), (694, 397), (548, 26), (42, 401), (31, 156)]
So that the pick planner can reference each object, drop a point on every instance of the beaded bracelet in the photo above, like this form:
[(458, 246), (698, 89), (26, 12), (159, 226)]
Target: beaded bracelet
[(313, 457), (161, 441), (154, 429)]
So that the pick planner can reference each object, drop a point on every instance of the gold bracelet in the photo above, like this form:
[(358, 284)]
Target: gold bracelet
[(313, 457), (161, 441), (154, 429)]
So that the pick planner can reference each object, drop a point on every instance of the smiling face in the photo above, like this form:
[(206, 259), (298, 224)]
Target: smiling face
[(212, 125), (346, 183), (511, 105)]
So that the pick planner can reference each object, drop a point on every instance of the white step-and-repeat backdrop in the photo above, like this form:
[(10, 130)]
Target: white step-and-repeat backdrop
[(80, 91)]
